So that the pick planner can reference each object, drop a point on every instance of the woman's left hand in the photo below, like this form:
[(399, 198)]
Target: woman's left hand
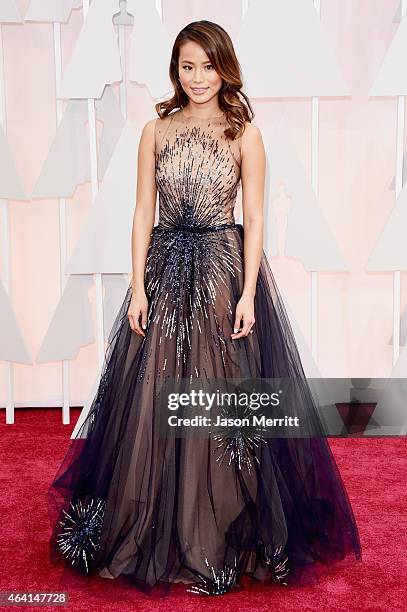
[(245, 311)]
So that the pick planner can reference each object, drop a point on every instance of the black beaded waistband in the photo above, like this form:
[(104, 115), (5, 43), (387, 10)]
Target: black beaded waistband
[(194, 228)]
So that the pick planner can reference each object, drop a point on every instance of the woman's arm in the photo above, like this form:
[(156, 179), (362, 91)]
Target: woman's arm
[(143, 221), (253, 169)]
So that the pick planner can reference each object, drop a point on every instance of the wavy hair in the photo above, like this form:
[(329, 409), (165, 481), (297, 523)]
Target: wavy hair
[(218, 46)]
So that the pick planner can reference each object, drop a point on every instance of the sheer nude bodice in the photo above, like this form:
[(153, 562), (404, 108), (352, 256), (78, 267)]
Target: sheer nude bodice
[(197, 171)]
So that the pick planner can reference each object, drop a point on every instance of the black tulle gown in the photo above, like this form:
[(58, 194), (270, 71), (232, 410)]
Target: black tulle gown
[(158, 510)]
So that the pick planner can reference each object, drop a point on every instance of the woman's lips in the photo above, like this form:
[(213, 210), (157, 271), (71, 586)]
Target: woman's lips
[(199, 90)]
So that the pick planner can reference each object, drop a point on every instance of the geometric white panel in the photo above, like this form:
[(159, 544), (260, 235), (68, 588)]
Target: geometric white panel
[(150, 50), (12, 346), (398, 14), (58, 11), (67, 164), (104, 245), (403, 329), (305, 235), (85, 411), (326, 393), (391, 409), (115, 287), (71, 326), (284, 52), (391, 79), (9, 12), (11, 186), (95, 60), (308, 362), (403, 172), (109, 114), (390, 252)]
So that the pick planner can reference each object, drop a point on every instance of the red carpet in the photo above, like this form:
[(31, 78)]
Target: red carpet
[(374, 471)]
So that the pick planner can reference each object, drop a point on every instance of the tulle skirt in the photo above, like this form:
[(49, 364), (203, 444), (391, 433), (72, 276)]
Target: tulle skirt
[(204, 510)]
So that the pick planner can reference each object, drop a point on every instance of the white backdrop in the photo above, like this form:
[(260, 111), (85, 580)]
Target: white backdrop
[(327, 81)]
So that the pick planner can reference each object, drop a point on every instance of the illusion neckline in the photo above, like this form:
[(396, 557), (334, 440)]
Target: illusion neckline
[(181, 110)]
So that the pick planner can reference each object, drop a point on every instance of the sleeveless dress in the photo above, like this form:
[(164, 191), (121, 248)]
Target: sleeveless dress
[(207, 511)]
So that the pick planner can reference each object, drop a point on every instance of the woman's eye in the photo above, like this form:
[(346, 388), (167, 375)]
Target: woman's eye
[(208, 66)]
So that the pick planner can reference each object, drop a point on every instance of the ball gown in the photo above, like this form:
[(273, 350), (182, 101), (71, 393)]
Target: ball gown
[(158, 510)]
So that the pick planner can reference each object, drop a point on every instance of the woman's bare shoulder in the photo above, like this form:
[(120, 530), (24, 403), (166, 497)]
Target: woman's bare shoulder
[(252, 139), (149, 127), (251, 131)]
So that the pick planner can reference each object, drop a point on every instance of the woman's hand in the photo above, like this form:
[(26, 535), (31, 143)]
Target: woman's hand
[(138, 308), (245, 311)]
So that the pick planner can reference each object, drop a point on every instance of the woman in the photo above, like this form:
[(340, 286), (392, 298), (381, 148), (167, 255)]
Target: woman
[(131, 499)]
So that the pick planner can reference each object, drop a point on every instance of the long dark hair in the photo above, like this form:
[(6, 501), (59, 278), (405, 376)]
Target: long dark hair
[(218, 46)]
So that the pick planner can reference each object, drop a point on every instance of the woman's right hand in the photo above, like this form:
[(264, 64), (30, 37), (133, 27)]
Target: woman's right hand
[(138, 308)]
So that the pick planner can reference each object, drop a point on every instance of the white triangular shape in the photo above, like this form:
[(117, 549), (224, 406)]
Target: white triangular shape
[(95, 60), (391, 410), (71, 326), (115, 288), (307, 234), (9, 12), (284, 52), (62, 172), (148, 27), (403, 328), (12, 346), (50, 11), (390, 252), (105, 242), (391, 79)]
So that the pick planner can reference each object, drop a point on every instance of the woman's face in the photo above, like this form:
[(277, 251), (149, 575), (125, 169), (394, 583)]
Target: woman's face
[(197, 75)]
